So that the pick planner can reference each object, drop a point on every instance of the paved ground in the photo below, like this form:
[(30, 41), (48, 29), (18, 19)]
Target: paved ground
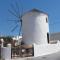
[(55, 56)]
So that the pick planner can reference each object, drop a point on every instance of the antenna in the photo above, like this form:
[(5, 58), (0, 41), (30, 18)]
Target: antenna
[(18, 14)]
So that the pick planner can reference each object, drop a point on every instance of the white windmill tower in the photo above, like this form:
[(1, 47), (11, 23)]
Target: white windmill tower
[(35, 27)]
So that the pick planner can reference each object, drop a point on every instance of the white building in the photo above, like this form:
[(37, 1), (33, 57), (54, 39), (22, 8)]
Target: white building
[(35, 27)]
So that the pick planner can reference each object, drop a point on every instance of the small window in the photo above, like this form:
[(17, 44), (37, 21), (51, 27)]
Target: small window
[(46, 20)]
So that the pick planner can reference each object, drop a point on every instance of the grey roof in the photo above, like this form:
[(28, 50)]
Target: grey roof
[(37, 10), (34, 10)]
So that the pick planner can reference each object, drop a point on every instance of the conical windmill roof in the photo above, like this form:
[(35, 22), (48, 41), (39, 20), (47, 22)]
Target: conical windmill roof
[(34, 10)]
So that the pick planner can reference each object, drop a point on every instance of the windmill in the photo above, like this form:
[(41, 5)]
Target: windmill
[(18, 15)]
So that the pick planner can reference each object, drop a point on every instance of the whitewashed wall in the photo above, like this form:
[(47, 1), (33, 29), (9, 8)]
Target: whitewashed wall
[(6, 53), (40, 50), (35, 28)]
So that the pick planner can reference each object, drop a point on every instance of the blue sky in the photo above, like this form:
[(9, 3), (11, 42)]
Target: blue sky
[(52, 7)]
